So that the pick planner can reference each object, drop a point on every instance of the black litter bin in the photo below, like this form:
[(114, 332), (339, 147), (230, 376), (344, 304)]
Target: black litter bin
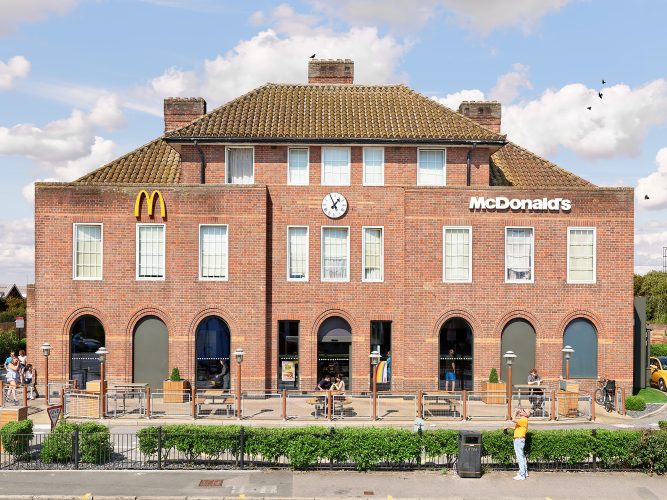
[(470, 454)]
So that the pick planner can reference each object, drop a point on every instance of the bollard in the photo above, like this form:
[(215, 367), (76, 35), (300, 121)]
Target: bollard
[(193, 395), (2, 393), (148, 402), (62, 398), (622, 400), (592, 408), (329, 404), (553, 406), (25, 396), (464, 402), (283, 398), (419, 404)]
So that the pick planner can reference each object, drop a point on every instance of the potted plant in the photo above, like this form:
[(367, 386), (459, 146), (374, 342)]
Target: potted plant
[(174, 388), (494, 391)]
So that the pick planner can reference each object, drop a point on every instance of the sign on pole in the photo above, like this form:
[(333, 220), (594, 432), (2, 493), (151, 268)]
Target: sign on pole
[(54, 413)]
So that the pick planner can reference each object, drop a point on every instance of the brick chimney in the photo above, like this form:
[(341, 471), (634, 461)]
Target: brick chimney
[(486, 113), (179, 111), (331, 71)]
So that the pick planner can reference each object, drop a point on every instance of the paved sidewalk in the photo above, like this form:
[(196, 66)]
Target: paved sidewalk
[(179, 485)]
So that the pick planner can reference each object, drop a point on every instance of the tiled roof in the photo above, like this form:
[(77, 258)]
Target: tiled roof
[(514, 166), (155, 162), (335, 111), (6, 289)]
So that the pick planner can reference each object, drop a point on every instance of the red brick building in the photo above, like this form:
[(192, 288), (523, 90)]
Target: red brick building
[(311, 224)]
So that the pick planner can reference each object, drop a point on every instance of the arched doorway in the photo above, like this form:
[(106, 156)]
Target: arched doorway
[(334, 349), (519, 337), (212, 345), (151, 352), (86, 337), (582, 336), (456, 348)]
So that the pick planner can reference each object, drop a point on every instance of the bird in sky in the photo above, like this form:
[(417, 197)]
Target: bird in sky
[(588, 108), (313, 56), (646, 197), (600, 95), (603, 82)]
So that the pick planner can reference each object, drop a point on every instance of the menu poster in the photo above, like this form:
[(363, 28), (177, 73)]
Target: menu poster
[(288, 371)]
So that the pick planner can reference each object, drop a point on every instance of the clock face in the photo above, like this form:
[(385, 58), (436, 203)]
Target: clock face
[(334, 205)]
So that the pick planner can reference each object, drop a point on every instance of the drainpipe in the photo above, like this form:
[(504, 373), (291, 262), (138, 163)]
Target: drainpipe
[(468, 158), (202, 159)]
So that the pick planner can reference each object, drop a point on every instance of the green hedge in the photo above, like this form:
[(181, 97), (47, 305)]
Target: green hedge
[(635, 403), (16, 437), (94, 443), (650, 452), (658, 349), (367, 447), (662, 424)]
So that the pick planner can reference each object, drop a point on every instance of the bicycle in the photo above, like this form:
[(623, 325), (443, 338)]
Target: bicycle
[(605, 393)]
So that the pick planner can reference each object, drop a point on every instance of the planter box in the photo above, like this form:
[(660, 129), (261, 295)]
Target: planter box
[(93, 387), (174, 392), (500, 389)]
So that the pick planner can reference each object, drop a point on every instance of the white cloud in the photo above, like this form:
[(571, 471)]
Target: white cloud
[(453, 100), (257, 18), (649, 240), (615, 126), (28, 191), (174, 83), (480, 16), (14, 68), (106, 112), (654, 185), (17, 250), (509, 85), (13, 12)]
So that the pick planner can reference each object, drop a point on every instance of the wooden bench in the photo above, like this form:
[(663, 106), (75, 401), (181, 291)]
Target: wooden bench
[(216, 398)]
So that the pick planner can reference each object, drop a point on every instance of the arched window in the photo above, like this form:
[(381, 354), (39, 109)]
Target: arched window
[(582, 336), (86, 337), (212, 345), (334, 349), (455, 359), (519, 337)]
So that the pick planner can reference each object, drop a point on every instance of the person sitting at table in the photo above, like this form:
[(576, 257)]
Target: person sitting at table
[(325, 383), (534, 378), (535, 396), (339, 384)]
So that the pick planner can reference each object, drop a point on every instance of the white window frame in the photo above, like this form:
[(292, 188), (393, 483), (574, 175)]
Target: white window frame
[(532, 256), (74, 248), (595, 253), (204, 278), (349, 164), (227, 148), (363, 255), (349, 236), (381, 183), (444, 166), (444, 256), (136, 254), (304, 279), (289, 180)]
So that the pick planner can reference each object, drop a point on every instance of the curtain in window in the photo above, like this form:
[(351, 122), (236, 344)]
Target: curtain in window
[(336, 166), (88, 251), (240, 168), (431, 168), (373, 254), (519, 254), (213, 251), (457, 254), (151, 251), (335, 254), (581, 255), (298, 252), (374, 166), (298, 166)]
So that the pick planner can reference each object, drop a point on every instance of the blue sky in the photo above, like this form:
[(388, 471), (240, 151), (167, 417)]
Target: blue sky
[(82, 81)]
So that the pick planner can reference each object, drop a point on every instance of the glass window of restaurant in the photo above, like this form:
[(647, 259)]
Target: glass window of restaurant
[(381, 342), (288, 354), (456, 355)]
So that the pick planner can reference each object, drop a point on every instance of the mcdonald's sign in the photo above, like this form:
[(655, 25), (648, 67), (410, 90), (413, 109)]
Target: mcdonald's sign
[(150, 201)]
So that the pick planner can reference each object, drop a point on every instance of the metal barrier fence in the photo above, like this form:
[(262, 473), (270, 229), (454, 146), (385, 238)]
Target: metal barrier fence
[(396, 406), (573, 406), (125, 403), (352, 406), (306, 405), (537, 401), (215, 403), (167, 450), (264, 405), (170, 404), (79, 404), (442, 405), (486, 405)]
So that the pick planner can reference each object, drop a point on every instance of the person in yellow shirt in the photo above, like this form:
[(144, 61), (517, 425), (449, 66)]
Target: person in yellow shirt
[(520, 429)]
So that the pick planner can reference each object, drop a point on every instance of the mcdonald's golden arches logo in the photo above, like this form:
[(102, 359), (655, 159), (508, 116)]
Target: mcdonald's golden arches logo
[(150, 202)]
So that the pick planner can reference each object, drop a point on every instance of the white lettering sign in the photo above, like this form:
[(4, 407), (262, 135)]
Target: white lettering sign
[(533, 205)]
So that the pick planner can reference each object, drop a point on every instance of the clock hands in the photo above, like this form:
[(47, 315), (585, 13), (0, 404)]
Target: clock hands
[(334, 202)]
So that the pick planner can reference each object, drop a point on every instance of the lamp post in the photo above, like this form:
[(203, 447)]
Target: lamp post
[(238, 354), (509, 359), (375, 361), (568, 351), (102, 355), (46, 350)]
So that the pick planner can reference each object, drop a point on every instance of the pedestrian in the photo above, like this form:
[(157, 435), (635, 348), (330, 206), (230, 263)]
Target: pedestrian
[(9, 359), (450, 371), (223, 376), (22, 364), (11, 377), (520, 430), (29, 377)]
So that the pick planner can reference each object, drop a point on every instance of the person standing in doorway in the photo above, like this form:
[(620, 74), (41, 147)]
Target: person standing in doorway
[(450, 371), (520, 430)]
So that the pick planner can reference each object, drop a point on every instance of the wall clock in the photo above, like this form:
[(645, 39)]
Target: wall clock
[(334, 205)]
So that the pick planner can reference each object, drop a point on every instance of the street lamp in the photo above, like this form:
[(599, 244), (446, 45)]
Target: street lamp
[(568, 351), (375, 360), (238, 354), (509, 359), (102, 356), (46, 350)]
